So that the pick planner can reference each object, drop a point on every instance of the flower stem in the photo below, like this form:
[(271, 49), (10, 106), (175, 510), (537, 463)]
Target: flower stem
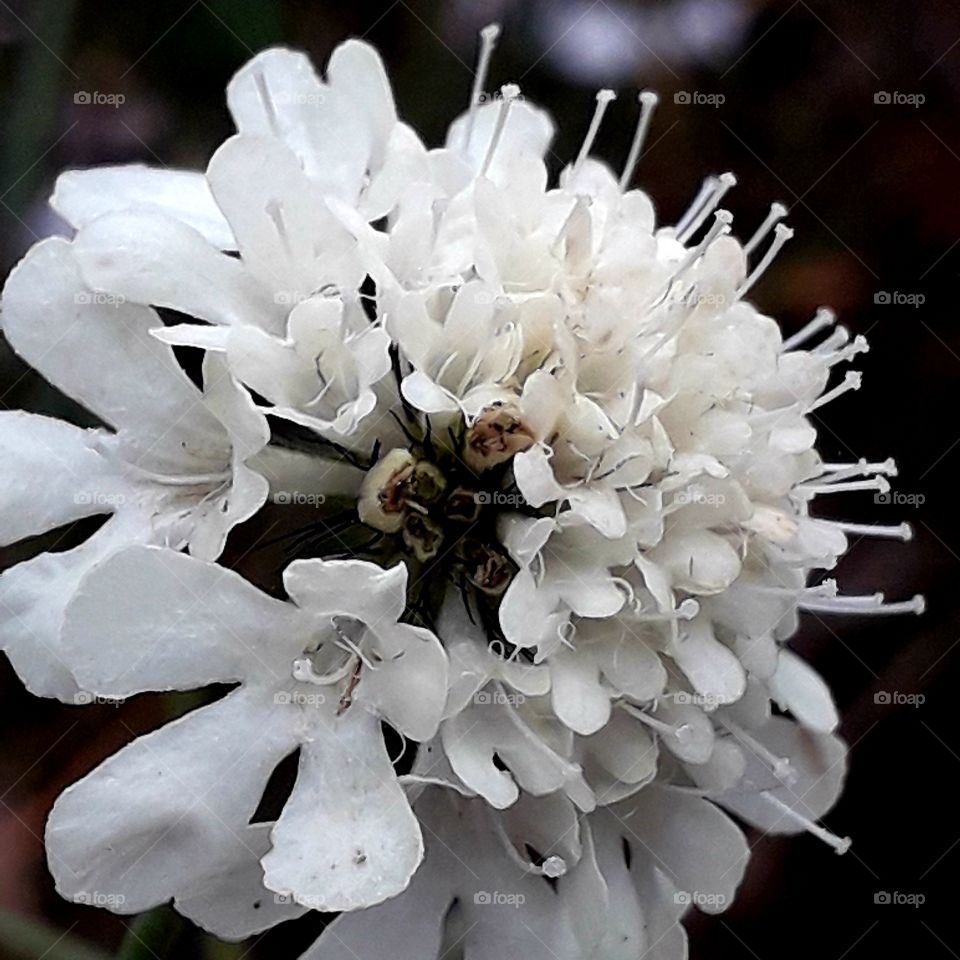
[(151, 935)]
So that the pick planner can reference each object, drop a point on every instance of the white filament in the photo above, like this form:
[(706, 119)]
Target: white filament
[(488, 40), (648, 102)]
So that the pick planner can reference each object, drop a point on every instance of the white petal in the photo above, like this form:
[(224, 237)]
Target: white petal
[(465, 866), (352, 588), (818, 761), (171, 808), (534, 476), (797, 687), (578, 697), (628, 661), (347, 837), (528, 132), (54, 475), (83, 195), (58, 326), (287, 237), (699, 848), (174, 623), (356, 70), (409, 685), (151, 258), (421, 392), (34, 594), (700, 561), (483, 729), (712, 667), (278, 94), (233, 904)]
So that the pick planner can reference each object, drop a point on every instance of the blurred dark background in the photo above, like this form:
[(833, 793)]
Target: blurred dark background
[(848, 113)]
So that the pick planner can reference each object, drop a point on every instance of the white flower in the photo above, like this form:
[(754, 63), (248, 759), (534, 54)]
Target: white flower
[(170, 467), (315, 674), (533, 421)]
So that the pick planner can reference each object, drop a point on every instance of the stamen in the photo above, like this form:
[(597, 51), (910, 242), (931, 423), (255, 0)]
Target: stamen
[(824, 318), (648, 102), (837, 339), (706, 189), (551, 867), (305, 672), (840, 471), (721, 185), (604, 99), (183, 480), (872, 604), (852, 381), (721, 225), (901, 531), (781, 235), (508, 93), (266, 99), (275, 213), (879, 484), (782, 768), (777, 212), (845, 353), (488, 40), (839, 844)]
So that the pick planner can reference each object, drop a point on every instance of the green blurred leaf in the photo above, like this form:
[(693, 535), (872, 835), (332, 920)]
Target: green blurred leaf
[(23, 938)]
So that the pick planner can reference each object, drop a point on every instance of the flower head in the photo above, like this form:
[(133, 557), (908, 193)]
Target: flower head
[(564, 472)]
